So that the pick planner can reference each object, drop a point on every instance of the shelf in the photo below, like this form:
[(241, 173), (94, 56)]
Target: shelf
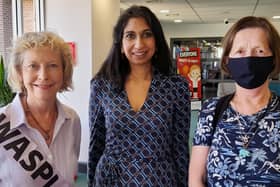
[(210, 59), (216, 80)]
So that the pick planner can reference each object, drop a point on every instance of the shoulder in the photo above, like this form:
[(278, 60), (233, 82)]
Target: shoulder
[(275, 102), (209, 105), (68, 112), (4, 114), (14, 104), (178, 79), (97, 82), (14, 112), (101, 85), (4, 109), (211, 101), (275, 97), (71, 117), (204, 129), (175, 81)]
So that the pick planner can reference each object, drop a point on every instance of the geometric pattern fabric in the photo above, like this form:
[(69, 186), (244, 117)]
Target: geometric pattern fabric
[(144, 148)]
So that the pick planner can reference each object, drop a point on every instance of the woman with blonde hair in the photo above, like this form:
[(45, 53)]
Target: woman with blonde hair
[(39, 136)]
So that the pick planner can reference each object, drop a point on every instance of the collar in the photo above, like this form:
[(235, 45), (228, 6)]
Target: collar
[(17, 116), (16, 113)]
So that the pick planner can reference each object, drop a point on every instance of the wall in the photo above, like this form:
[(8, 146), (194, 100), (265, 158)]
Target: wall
[(105, 14), (72, 20), (88, 23), (177, 30)]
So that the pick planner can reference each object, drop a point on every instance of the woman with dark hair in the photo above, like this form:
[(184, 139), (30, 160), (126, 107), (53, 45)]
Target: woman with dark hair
[(242, 147), (139, 111)]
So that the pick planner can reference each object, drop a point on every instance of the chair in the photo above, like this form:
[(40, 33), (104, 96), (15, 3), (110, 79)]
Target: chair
[(275, 87), (225, 88)]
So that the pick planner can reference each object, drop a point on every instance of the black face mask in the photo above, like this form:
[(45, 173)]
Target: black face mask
[(250, 72)]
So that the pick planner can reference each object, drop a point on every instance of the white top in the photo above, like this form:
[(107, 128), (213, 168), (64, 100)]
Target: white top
[(16, 152)]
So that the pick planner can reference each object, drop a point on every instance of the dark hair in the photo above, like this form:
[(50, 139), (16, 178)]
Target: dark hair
[(253, 22), (116, 66)]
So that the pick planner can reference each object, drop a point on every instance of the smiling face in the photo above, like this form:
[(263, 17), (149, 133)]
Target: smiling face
[(138, 43), (195, 72), (42, 73), (250, 42)]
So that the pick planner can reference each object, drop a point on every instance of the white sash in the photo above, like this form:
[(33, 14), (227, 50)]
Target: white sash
[(14, 144)]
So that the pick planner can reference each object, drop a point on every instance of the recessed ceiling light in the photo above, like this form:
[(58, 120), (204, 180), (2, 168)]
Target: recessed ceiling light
[(276, 17), (164, 11), (178, 20)]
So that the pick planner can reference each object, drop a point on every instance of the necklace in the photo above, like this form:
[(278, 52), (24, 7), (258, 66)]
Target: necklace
[(46, 133), (245, 137)]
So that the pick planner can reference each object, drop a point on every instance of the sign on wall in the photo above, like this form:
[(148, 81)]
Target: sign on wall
[(72, 47), (189, 66)]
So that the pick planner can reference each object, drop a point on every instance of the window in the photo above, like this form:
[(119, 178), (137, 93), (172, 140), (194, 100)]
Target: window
[(17, 17), (28, 15), (6, 27)]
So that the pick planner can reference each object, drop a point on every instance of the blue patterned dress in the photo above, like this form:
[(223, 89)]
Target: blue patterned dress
[(225, 167), (144, 148)]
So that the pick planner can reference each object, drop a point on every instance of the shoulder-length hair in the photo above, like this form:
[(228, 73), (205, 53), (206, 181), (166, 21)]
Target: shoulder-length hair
[(253, 22), (116, 67), (32, 40)]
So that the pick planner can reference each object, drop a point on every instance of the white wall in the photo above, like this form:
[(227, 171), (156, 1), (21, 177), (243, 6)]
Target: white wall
[(72, 20), (178, 30), (88, 23), (105, 14)]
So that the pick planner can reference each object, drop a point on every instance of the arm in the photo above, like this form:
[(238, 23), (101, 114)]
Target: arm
[(202, 141), (181, 125), (197, 169), (97, 131)]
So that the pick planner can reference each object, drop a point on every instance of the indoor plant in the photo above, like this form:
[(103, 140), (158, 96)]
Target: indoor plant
[(6, 94)]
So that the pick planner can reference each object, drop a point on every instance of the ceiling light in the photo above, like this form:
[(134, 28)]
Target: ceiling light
[(178, 20), (164, 11), (276, 17)]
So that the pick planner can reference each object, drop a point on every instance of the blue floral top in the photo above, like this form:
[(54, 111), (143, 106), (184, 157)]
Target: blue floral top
[(144, 148), (226, 167)]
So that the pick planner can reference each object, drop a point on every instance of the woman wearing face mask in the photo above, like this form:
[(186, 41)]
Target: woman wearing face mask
[(243, 147)]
